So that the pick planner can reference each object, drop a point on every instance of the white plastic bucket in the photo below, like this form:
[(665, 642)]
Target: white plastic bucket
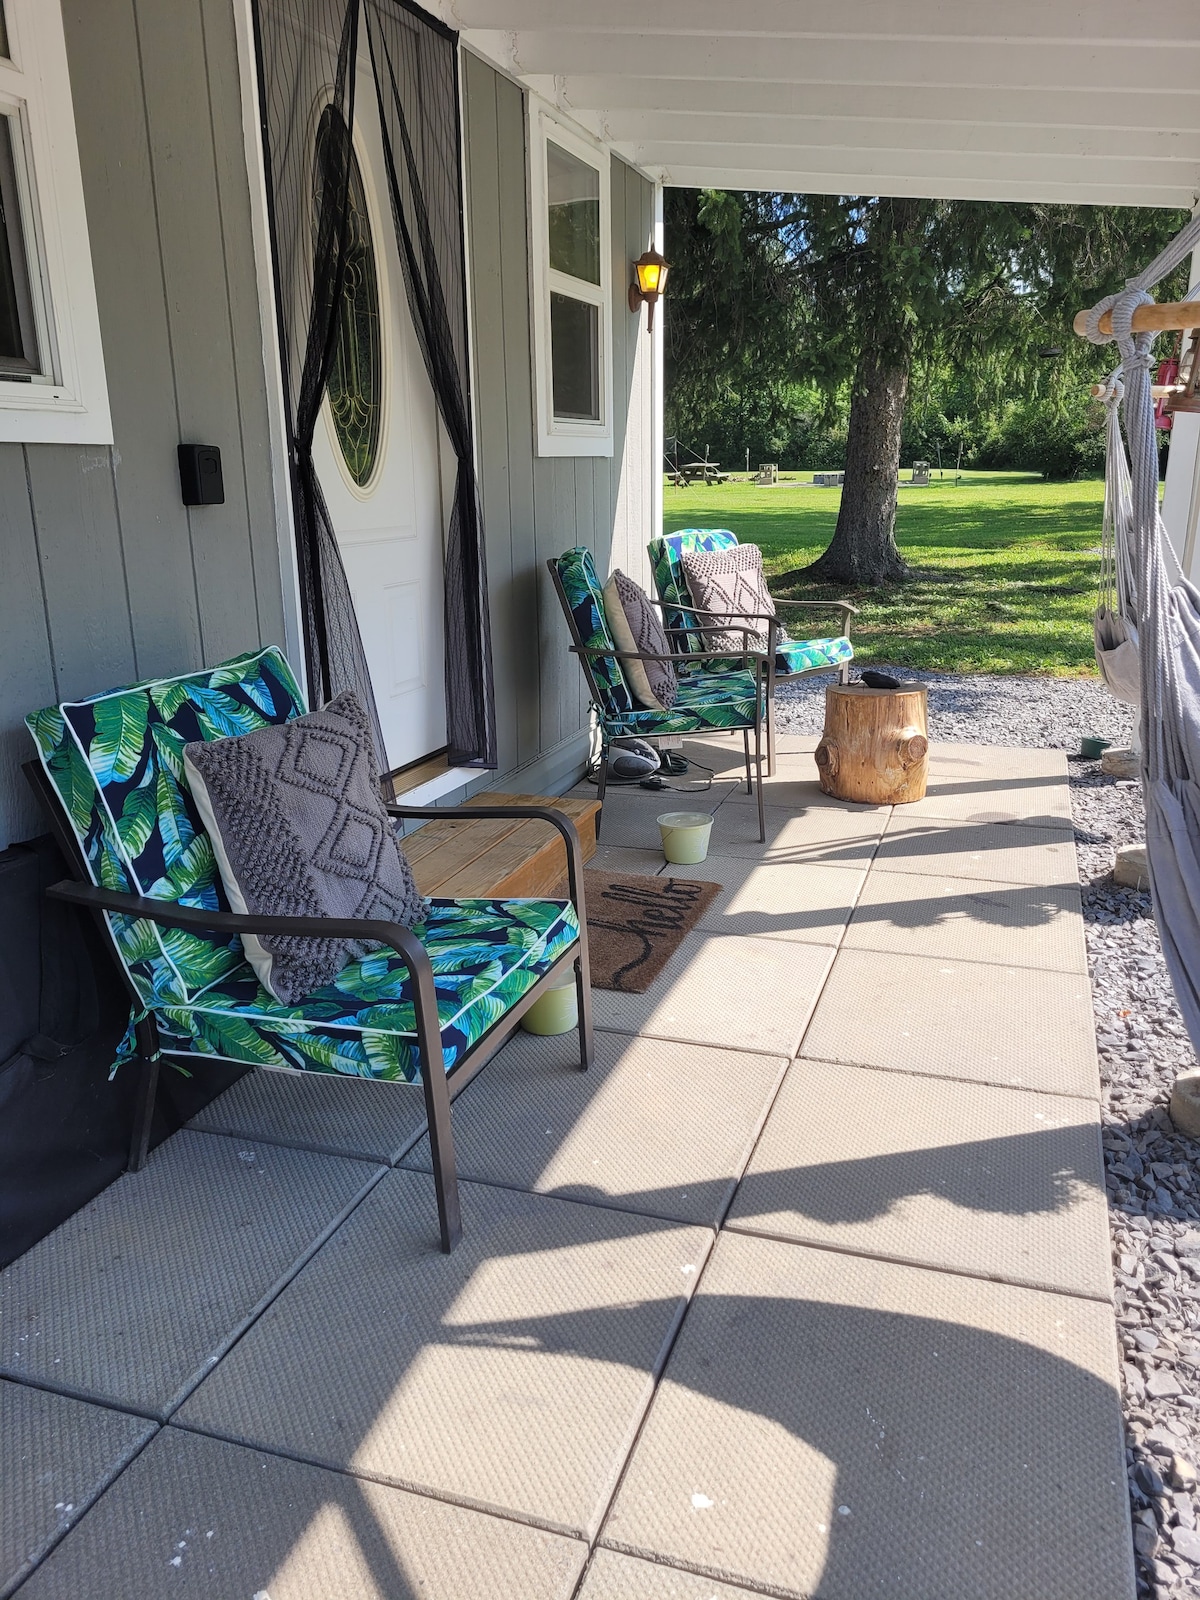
[(556, 1009), (685, 836)]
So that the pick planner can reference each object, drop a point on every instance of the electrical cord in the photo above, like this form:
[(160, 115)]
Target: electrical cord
[(657, 782)]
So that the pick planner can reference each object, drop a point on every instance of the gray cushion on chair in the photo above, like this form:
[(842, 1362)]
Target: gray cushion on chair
[(730, 583), (634, 625), (299, 829)]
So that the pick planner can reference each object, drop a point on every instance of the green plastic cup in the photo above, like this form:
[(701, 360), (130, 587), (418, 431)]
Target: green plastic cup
[(556, 1009), (685, 836)]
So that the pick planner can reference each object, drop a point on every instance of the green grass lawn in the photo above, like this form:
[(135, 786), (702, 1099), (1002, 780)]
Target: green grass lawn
[(1007, 566)]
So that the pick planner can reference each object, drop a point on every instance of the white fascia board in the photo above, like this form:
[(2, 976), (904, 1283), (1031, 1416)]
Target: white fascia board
[(869, 162), (1165, 109), (1167, 21), (862, 64), (799, 132), (799, 181)]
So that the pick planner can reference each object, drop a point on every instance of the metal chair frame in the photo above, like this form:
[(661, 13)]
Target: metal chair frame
[(440, 1087), (752, 661), (845, 610)]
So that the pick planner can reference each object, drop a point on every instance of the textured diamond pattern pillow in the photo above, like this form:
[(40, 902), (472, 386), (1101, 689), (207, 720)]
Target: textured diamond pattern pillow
[(299, 829), (730, 583), (634, 625)]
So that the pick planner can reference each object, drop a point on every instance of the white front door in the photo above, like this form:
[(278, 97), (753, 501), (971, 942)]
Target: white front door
[(376, 451)]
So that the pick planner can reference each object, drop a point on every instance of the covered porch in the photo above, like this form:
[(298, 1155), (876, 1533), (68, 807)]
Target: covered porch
[(803, 1290)]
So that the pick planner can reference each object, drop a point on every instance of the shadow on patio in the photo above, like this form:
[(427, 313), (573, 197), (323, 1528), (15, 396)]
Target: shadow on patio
[(807, 1328)]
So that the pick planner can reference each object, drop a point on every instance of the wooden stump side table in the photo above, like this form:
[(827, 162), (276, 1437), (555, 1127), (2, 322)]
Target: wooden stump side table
[(875, 747)]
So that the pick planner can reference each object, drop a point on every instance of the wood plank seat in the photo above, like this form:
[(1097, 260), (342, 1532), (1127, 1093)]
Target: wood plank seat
[(499, 858)]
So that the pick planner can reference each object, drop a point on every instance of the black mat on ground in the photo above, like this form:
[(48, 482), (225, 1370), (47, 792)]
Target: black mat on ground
[(64, 1128)]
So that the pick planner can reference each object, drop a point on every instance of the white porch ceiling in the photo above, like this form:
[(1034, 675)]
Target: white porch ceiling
[(1094, 101)]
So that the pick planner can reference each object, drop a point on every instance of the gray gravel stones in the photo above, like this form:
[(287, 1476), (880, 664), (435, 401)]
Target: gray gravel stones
[(1152, 1170)]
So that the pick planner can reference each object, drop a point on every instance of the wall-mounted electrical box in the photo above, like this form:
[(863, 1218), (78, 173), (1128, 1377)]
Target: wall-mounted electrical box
[(200, 475)]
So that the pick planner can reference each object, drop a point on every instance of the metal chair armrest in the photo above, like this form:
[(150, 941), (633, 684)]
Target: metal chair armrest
[(170, 914)]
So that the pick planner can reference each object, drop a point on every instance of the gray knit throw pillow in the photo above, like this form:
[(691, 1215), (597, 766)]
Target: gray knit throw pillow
[(299, 829), (731, 584), (634, 625)]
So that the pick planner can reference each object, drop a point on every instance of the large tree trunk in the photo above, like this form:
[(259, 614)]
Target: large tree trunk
[(863, 550)]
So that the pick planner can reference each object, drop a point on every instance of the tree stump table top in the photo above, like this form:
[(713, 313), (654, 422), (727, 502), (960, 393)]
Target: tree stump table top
[(875, 747)]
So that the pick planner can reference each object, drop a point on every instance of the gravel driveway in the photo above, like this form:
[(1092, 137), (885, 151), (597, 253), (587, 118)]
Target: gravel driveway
[(1152, 1173)]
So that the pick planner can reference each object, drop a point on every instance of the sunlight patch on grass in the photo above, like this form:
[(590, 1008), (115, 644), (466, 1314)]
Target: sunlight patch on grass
[(1006, 567)]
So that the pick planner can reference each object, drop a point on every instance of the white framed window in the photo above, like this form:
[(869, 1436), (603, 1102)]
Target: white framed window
[(52, 385), (572, 289)]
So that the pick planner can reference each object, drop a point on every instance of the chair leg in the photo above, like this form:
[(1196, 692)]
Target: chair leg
[(771, 737), (746, 742), (583, 994), (601, 785), (758, 767), (146, 1033), (441, 1136)]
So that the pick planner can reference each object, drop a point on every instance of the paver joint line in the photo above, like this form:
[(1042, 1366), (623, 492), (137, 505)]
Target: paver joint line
[(599, 1532)]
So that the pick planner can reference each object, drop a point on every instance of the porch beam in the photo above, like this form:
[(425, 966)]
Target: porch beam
[(864, 63), (1171, 22), (1162, 112), (796, 180)]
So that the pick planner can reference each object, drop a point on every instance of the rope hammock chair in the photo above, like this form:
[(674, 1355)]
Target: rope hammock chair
[(1164, 611), (1115, 622)]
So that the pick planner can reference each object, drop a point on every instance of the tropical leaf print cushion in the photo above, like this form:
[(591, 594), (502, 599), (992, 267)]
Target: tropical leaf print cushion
[(666, 565), (585, 596), (485, 955), (116, 761)]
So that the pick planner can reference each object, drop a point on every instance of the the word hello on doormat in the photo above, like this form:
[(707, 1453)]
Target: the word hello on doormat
[(636, 924)]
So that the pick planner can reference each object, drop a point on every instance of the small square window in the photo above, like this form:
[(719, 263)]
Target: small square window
[(575, 358), (18, 331), (573, 205), (52, 384), (571, 290)]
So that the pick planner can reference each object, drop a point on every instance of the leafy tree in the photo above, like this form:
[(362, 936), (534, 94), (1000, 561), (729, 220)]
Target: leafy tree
[(869, 296)]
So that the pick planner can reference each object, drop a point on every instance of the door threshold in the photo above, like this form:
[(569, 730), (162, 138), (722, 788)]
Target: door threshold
[(422, 782)]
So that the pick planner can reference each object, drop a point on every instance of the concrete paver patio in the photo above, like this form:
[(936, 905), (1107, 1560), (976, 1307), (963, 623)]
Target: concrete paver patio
[(804, 1290)]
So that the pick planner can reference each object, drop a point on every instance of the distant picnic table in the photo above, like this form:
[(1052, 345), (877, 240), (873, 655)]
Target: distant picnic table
[(690, 472)]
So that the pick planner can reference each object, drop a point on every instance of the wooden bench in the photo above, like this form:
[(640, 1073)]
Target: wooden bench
[(501, 858)]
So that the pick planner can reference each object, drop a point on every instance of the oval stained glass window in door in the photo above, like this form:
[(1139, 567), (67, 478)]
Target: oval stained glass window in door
[(355, 387)]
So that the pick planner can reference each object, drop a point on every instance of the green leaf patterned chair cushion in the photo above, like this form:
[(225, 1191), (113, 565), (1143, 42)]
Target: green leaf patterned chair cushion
[(585, 596), (666, 563), (705, 700), (116, 762)]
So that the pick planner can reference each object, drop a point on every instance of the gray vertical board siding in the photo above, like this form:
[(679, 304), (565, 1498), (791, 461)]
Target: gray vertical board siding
[(181, 129), (99, 583), (245, 315), (114, 152), (83, 567), (28, 670), (537, 506)]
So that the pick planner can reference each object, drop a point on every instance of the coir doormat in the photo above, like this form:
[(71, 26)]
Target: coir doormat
[(635, 925)]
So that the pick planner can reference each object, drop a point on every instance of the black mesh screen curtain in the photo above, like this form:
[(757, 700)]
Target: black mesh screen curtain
[(408, 64)]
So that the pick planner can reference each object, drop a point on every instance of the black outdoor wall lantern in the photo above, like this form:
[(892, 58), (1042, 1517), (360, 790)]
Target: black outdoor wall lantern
[(649, 281)]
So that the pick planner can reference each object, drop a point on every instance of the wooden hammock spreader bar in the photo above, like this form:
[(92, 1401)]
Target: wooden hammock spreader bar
[(1158, 391), (1171, 314)]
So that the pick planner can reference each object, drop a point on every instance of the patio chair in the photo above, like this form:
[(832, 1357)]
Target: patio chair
[(725, 692), (787, 658), (435, 1004)]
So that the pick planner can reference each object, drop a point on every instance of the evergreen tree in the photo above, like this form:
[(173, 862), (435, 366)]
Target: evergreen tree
[(856, 294)]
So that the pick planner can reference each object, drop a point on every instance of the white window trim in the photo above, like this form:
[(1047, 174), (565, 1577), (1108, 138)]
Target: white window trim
[(69, 405), (555, 436)]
